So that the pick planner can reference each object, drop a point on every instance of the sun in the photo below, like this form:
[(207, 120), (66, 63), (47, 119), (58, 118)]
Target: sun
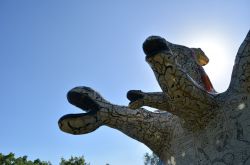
[(220, 63)]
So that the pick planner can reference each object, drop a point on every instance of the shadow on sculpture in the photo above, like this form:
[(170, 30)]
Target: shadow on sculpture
[(194, 124)]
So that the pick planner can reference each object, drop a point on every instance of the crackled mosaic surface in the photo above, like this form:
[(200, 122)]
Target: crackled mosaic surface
[(194, 125)]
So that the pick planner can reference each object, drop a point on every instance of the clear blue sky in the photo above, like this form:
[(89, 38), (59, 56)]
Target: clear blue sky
[(50, 46)]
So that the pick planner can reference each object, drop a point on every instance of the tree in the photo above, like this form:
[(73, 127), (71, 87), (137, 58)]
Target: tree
[(152, 159), (74, 161), (11, 160)]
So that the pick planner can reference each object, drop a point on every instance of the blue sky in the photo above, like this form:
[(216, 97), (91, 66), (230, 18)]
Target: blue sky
[(48, 47)]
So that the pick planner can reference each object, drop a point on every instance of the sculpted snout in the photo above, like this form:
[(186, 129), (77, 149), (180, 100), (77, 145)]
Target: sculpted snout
[(154, 45), (83, 97), (89, 101)]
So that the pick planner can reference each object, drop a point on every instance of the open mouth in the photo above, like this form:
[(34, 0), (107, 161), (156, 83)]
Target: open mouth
[(82, 101)]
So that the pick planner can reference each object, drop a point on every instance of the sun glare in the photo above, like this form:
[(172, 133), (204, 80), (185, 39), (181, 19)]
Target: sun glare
[(220, 59)]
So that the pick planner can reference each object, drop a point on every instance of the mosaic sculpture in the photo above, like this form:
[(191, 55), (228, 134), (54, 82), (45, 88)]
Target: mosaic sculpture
[(194, 125)]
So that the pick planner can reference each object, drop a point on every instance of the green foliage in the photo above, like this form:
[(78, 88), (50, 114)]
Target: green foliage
[(74, 161), (11, 160), (151, 159)]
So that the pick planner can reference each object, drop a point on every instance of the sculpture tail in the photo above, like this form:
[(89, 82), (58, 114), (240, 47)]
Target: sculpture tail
[(240, 80)]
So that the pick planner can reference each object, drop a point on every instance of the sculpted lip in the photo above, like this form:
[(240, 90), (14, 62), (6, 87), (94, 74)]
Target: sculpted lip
[(154, 45), (82, 101)]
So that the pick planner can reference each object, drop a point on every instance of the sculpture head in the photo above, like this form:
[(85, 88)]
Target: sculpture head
[(91, 103), (165, 56)]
